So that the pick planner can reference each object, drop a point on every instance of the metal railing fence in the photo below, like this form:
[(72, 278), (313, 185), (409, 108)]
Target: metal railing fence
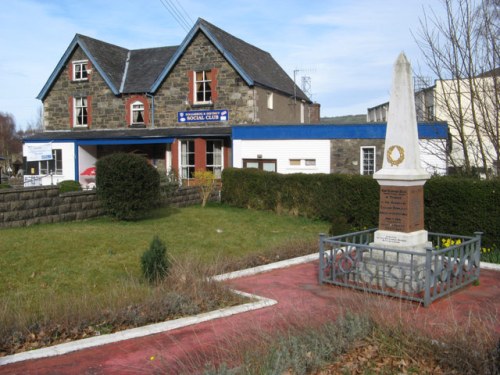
[(450, 262)]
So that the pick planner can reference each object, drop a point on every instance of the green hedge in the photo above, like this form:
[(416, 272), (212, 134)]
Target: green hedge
[(452, 205), (463, 206), (332, 197)]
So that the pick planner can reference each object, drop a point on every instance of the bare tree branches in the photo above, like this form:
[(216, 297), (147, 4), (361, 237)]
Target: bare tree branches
[(462, 51)]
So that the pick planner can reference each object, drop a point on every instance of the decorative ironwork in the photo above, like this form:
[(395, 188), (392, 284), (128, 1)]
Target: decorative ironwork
[(352, 261)]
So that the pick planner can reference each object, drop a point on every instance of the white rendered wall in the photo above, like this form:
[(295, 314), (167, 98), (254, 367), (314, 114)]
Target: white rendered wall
[(433, 156), (283, 151), (68, 164)]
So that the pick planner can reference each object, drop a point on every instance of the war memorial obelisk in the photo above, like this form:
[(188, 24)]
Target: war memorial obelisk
[(401, 179)]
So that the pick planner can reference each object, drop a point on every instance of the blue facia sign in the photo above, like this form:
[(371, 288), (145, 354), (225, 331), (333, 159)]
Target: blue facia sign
[(203, 116)]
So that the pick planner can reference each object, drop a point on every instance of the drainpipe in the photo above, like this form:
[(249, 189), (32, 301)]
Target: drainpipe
[(152, 109)]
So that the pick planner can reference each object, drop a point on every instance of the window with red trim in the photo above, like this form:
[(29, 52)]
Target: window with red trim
[(203, 84), (80, 70), (80, 112)]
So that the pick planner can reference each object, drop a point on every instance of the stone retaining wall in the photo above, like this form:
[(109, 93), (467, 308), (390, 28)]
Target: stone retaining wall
[(40, 205)]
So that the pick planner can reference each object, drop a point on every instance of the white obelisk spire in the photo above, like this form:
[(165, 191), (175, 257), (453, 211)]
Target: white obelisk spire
[(402, 178), (402, 154)]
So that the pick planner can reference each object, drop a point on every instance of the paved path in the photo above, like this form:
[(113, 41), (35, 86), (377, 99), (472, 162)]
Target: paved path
[(300, 301)]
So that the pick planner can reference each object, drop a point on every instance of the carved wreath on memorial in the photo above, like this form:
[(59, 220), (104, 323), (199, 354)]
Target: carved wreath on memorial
[(390, 158)]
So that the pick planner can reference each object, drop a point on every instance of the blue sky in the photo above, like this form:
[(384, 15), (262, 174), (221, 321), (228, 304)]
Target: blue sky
[(346, 47)]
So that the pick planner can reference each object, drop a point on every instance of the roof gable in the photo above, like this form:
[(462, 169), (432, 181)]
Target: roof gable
[(107, 59), (255, 66)]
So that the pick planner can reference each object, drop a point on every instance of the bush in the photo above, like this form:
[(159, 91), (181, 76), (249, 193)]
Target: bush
[(154, 262), (348, 199), (5, 186), (68, 185), (127, 185), (463, 206), (452, 204), (205, 180)]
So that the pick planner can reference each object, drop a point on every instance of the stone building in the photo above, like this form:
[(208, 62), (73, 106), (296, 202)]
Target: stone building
[(175, 105)]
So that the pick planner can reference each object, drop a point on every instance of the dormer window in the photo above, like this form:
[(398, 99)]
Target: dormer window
[(137, 112), (80, 70), (203, 87)]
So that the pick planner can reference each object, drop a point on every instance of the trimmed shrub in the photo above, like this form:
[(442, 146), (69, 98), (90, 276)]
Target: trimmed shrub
[(154, 262), (127, 185), (351, 202), (68, 185), (346, 199), (463, 206)]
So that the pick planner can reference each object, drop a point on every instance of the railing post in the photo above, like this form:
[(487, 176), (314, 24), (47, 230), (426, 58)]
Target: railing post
[(321, 257), (428, 262), (478, 235)]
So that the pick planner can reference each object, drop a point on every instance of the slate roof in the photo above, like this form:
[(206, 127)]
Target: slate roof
[(110, 58), (145, 66), (143, 70), (258, 64)]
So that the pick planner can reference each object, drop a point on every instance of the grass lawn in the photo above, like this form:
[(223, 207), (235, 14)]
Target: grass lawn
[(94, 258)]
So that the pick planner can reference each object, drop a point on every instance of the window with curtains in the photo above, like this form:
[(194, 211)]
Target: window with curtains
[(80, 109), (203, 87), (187, 159), (137, 113), (214, 157)]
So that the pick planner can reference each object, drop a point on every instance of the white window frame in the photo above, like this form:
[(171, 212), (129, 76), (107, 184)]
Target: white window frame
[(204, 82), (77, 105), (215, 167), (363, 161), (83, 69), (270, 100), (184, 165), (134, 110)]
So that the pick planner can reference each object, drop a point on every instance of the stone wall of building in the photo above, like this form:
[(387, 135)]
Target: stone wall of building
[(232, 93), (346, 154), (106, 111), (21, 207)]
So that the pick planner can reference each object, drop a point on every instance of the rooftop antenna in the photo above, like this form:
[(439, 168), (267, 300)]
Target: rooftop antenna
[(306, 82)]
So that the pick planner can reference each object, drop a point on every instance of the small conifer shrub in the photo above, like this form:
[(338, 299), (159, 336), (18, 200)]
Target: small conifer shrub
[(154, 261)]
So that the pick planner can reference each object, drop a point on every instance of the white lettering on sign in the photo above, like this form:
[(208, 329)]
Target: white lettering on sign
[(201, 116)]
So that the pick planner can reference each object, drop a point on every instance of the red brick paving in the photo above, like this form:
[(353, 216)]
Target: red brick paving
[(300, 300)]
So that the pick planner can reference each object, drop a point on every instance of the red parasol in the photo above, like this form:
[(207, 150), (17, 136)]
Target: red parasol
[(88, 172)]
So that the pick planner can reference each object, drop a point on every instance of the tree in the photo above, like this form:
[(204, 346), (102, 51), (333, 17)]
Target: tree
[(462, 51), (205, 180), (127, 185), (35, 125), (155, 263), (10, 143)]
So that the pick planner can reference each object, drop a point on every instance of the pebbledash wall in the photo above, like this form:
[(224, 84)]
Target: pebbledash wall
[(42, 205)]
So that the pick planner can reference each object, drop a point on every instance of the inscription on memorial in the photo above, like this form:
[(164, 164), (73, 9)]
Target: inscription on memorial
[(401, 208)]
